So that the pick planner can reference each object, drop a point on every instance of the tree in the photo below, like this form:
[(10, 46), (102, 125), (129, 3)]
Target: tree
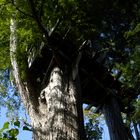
[(60, 48), (57, 103), (55, 111)]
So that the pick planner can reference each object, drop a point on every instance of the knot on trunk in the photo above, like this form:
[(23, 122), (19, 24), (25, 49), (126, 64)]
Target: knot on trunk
[(42, 98)]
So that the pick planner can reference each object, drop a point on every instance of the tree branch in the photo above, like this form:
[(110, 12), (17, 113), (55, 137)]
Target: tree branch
[(41, 8), (38, 20), (46, 73), (77, 61), (18, 9), (54, 28)]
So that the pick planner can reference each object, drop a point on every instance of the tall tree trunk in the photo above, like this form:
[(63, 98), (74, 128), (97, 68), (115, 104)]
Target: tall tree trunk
[(114, 120), (58, 116), (57, 111)]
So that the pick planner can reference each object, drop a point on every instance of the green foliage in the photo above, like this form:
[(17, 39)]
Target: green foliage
[(5, 126), (10, 130), (136, 115), (7, 133), (130, 70), (4, 35), (93, 130), (17, 123), (133, 32)]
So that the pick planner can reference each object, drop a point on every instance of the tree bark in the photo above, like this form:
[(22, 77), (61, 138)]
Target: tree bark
[(114, 120), (13, 48), (58, 116)]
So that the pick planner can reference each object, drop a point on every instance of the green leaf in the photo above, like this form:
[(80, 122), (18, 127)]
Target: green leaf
[(17, 123), (5, 126), (13, 132), (26, 128), (3, 139)]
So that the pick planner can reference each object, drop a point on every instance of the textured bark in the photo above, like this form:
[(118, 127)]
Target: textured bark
[(24, 89), (114, 120), (13, 48), (57, 117)]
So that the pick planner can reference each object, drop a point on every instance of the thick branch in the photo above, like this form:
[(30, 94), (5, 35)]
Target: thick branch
[(23, 88), (77, 61), (54, 28), (13, 45)]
